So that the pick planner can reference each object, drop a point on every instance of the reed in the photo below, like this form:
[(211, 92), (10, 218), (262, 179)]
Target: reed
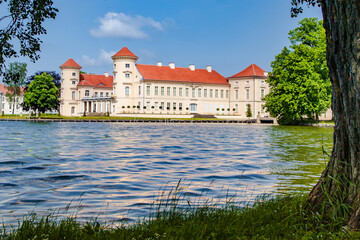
[(174, 215)]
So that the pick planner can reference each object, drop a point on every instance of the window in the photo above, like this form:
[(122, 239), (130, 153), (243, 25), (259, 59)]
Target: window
[(186, 92), (205, 92), (10, 106), (262, 82), (168, 106), (162, 91), (211, 93), (247, 82), (174, 91), (162, 105), (127, 90), (156, 90), (262, 93), (148, 105), (168, 91), (236, 83), (139, 90), (127, 75), (101, 94), (79, 95), (247, 94), (114, 65), (148, 90), (87, 93), (236, 94), (156, 105), (193, 92), (180, 106), (227, 93), (180, 92), (127, 65), (199, 92), (73, 82), (107, 94), (236, 107), (222, 93), (17, 106), (72, 110), (73, 74), (216, 93), (73, 95), (96, 94), (174, 105)]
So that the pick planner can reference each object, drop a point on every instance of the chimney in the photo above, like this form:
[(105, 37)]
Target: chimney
[(208, 68), (106, 74), (159, 64), (192, 67), (172, 65)]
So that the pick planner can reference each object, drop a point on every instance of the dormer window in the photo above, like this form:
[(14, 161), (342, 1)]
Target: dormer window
[(127, 75), (73, 74), (96, 94), (87, 93), (127, 65)]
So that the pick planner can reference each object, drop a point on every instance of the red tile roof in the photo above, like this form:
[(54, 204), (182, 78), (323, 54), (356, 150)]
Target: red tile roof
[(125, 52), (165, 73), (251, 71), (70, 63), (98, 81), (4, 90)]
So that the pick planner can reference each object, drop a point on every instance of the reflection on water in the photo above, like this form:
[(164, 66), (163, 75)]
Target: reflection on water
[(117, 169)]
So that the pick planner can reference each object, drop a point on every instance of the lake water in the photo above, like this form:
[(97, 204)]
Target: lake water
[(118, 169)]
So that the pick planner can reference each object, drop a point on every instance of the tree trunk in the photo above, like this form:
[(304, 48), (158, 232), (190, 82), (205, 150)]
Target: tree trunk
[(339, 184)]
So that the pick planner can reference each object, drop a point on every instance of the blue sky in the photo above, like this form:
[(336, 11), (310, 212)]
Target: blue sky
[(227, 34)]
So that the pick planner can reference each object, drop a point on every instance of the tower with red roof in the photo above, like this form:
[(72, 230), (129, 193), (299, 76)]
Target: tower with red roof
[(249, 87)]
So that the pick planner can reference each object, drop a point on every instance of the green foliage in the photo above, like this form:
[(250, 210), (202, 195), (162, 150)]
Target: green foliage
[(23, 21), (248, 111), (14, 78), (42, 94), (299, 82)]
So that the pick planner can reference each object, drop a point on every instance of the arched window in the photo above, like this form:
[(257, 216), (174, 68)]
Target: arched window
[(73, 95), (87, 93), (127, 90)]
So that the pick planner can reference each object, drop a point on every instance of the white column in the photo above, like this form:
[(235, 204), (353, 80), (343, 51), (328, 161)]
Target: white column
[(92, 106), (88, 106), (101, 106)]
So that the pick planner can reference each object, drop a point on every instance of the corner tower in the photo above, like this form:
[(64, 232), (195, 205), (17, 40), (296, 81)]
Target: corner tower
[(125, 75), (70, 77)]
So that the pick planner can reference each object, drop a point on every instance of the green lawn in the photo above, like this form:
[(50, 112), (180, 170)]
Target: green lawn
[(280, 217)]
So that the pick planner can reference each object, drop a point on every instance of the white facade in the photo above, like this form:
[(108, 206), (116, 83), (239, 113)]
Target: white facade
[(144, 89), (10, 107)]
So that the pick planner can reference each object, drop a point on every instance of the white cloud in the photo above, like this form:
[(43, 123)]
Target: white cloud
[(103, 58), (121, 25)]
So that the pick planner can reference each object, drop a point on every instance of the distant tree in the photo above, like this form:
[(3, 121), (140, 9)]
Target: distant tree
[(299, 82), (23, 22), (248, 111), (14, 78), (42, 94), (56, 78)]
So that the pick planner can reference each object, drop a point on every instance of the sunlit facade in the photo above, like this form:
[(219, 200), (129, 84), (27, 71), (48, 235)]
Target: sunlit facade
[(159, 89)]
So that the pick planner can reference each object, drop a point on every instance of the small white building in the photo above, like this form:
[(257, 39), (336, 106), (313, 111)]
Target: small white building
[(10, 107), (160, 89)]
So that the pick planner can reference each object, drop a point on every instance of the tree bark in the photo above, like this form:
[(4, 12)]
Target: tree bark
[(339, 184)]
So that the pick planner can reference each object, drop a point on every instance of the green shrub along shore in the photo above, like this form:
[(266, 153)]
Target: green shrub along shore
[(277, 217)]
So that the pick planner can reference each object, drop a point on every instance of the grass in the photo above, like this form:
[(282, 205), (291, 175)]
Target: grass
[(277, 217), (55, 116)]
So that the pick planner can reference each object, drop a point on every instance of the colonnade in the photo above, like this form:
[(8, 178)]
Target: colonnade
[(96, 106)]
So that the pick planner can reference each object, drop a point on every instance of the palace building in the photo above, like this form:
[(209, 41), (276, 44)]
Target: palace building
[(159, 89), (11, 106)]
